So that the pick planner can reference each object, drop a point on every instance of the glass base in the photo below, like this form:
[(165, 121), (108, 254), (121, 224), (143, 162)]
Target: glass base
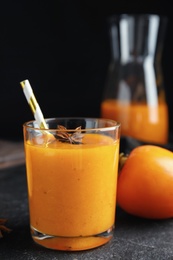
[(71, 243)]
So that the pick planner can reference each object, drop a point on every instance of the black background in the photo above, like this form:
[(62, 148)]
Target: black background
[(62, 47)]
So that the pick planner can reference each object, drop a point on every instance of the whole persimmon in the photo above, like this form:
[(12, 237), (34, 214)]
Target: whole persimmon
[(145, 183)]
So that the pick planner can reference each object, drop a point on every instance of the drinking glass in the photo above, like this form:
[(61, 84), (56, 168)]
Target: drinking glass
[(72, 170)]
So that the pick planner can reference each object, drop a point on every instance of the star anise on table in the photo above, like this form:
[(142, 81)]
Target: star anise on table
[(63, 136), (3, 228)]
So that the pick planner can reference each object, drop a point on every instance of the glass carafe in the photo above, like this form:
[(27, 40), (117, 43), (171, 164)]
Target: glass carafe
[(134, 91)]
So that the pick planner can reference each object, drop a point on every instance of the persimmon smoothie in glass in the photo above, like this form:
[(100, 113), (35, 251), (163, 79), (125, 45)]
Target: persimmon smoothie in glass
[(72, 170)]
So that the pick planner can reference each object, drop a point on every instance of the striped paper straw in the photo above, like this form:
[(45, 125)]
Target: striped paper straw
[(28, 92)]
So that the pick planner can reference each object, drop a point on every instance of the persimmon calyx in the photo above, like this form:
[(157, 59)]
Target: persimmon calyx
[(122, 161)]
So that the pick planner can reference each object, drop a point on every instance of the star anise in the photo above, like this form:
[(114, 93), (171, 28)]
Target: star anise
[(63, 136), (3, 228)]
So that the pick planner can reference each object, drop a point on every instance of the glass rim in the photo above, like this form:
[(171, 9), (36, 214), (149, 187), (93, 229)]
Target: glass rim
[(113, 124)]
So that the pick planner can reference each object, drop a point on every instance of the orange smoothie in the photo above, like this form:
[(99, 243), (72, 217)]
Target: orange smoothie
[(72, 190), (139, 121)]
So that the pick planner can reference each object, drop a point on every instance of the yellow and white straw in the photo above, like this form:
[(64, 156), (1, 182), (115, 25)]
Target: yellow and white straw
[(28, 92)]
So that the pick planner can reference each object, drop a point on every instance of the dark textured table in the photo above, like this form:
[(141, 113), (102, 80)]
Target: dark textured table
[(134, 238)]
